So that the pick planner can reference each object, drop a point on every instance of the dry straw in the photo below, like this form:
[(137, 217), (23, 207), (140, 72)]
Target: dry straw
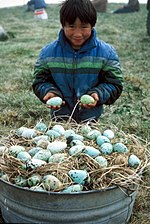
[(117, 173)]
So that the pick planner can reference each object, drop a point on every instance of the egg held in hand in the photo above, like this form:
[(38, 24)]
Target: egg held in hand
[(54, 101), (87, 99)]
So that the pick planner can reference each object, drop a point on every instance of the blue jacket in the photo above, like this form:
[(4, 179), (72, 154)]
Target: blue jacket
[(70, 74)]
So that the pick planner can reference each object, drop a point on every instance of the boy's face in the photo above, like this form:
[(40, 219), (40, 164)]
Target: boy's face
[(77, 33)]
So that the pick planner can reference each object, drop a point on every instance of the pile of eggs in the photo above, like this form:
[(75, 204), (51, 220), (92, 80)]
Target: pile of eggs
[(56, 145)]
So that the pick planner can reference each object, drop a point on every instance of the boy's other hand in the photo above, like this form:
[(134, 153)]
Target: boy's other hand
[(50, 95)]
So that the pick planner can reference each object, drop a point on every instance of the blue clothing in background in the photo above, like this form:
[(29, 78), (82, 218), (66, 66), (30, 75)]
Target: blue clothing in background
[(37, 4)]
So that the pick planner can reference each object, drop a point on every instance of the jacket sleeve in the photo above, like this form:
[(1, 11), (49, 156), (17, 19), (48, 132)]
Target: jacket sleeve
[(43, 80), (110, 86)]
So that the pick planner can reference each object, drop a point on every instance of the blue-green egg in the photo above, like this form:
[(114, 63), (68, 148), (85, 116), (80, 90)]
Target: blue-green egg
[(106, 148), (120, 147), (15, 149), (93, 134), (91, 151), (57, 147), (109, 134), (34, 163), (57, 158), (40, 137), (69, 133), (51, 182), (87, 99), (21, 181), (20, 130), (29, 133), (102, 139), (80, 176), (54, 101), (76, 150), (24, 156), (34, 150), (85, 129), (34, 180), (134, 161), (42, 127), (77, 137), (102, 161), (73, 188), (43, 155), (59, 128), (52, 134), (37, 188)]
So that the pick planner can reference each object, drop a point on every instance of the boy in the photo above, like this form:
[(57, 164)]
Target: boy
[(78, 63)]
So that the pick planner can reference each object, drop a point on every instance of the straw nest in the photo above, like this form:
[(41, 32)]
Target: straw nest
[(118, 172)]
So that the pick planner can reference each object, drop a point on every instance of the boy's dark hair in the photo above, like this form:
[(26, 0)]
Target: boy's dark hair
[(82, 9)]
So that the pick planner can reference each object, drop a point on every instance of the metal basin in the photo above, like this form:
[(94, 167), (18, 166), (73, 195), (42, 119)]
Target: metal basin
[(111, 206)]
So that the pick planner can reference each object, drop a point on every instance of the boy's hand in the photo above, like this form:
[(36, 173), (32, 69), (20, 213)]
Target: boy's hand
[(89, 106), (50, 95)]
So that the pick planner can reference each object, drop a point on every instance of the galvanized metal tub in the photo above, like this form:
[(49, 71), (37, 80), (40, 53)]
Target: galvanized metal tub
[(111, 206)]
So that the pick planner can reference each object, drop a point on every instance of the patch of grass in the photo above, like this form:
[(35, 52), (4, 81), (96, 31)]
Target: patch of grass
[(127, 33)]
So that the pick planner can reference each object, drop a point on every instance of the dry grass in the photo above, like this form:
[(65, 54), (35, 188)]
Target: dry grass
[(117, 173)]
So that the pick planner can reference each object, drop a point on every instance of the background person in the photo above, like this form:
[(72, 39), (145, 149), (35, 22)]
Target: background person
[(78, 63), (148, 17), (36, 4), (132, 6), (100, 5)]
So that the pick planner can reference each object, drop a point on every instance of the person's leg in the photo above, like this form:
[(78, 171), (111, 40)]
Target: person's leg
[(148, 20)]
